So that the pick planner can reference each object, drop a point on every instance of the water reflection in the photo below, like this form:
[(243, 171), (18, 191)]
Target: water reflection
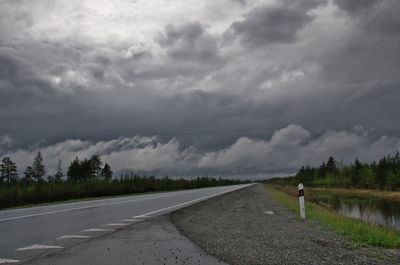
[(377, 211)]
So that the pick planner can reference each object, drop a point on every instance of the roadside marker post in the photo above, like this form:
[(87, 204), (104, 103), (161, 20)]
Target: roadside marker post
[(301, 201)]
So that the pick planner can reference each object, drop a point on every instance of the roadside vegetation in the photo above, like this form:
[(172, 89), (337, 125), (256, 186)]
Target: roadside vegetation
[(317, 194), (376, 180), (85, 178), (357, 231), (381, 175)]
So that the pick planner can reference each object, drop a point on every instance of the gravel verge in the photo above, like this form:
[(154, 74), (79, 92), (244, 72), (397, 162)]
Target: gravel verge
[(248, 227)]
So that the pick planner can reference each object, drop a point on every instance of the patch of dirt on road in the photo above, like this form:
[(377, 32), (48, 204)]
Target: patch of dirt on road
[(248, 227)]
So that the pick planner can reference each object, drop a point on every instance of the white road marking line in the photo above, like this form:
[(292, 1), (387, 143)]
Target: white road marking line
[(269, 212), (115, 224), (188, 202), (129, 220), (155, 195), (83, 207), (73, 236), (97, 230), (119, 202), (32, 247), (139, 220), (4, 261), (139, 217)]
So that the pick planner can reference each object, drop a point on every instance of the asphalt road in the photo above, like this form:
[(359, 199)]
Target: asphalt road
[(154, 241), (29, 232)]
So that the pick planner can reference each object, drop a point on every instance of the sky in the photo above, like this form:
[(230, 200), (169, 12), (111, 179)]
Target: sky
[(238, 88)]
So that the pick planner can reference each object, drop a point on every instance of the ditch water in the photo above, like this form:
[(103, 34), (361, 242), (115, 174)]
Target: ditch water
[(372, 210)]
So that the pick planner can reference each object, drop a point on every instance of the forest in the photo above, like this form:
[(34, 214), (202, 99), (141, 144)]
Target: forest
[(381, 175), (84, 179)]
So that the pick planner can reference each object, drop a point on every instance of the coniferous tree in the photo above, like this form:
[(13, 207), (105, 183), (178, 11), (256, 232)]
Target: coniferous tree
[(51, 179), (38, 167), (356, 173), (8, 170), (106, 172), (381, 173), (322, 170), (28, 175), (384, 175), (86, 170), (95, 166), (74, 170), (392, 181), (59, 175), (331, 165)]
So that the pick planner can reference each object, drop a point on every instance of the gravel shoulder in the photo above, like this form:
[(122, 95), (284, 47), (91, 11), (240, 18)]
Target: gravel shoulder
[(248, 227)]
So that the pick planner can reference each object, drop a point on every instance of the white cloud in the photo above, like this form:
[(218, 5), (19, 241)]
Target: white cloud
[(101, 22), (286, 151), (291, 147), (6, 142)]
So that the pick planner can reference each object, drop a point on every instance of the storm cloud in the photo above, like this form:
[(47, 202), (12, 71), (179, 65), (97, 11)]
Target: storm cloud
[(268, 25), (209, 78), (356, 5), (288, 149)]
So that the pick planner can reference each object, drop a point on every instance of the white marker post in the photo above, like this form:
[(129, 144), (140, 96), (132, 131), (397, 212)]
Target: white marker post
[(301, 201)]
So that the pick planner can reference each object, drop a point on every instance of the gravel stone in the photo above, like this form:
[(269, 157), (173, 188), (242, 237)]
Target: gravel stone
[(236, 228)]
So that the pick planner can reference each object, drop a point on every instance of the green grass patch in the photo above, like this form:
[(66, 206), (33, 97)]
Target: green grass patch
[(357, 231)]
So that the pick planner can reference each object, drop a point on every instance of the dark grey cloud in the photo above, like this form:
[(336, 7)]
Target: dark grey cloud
[(368, 57), (383, 21), (188, 33), (179, 79), (265, 25), (355, 6), (19, 80), (190, 43), (188, 53), (377, 17), (306, 5), (96, 71), (242, 2)]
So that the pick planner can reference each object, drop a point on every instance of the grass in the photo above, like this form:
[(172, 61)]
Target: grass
[(316, 194), (359, 232), (390, 195)]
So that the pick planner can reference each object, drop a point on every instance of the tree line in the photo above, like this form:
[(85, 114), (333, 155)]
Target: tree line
[(78, 171), (381, 175), (85, 178)]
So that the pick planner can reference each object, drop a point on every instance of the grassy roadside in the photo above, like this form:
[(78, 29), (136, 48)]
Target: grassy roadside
[(357, 231), (313, 193), (389, 195)]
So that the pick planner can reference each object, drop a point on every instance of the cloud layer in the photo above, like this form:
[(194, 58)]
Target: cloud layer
[(288, 149), (214, 75)]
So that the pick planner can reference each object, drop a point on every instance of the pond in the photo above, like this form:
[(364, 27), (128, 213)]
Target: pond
[(373, 210)]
